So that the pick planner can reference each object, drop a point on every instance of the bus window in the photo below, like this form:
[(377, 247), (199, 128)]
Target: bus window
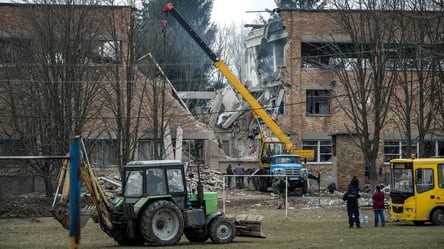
[(441, 175), (424, 180), (402, 180)]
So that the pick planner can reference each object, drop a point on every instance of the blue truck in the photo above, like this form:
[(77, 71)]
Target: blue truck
[(289, 165)]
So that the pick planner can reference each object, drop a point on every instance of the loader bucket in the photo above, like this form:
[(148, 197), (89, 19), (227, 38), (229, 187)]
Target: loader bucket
[(61, 214), (248, 225)]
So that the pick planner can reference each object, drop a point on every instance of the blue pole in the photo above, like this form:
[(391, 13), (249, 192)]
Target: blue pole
[(74, 193)]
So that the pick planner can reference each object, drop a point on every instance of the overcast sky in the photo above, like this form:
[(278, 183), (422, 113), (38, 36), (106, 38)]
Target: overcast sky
[(227, 11)]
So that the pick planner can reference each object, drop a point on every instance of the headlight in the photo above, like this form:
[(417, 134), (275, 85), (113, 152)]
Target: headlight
[(304, 173), (409, 210)]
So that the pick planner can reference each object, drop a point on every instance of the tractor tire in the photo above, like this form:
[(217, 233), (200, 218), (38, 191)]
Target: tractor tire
[(222, 230), (438, 217), (162, 223), (196, 235)]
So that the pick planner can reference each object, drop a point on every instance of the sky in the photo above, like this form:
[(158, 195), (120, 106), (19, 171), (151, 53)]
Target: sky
[(228, 11)]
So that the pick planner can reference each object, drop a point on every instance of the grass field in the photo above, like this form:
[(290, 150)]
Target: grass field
[(324, 227)]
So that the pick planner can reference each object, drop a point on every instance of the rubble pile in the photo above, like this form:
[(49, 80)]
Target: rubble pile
[(25, 206), (37, 205)]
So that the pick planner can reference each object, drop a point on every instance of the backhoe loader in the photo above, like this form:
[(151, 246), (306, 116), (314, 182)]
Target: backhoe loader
[(155, 207)]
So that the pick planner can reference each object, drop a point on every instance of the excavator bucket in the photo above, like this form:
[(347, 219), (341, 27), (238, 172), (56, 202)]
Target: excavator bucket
[(248, 225), (61, 214)]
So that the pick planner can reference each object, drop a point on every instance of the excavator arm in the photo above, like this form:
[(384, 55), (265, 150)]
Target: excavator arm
[(101, 204), (258, 110)]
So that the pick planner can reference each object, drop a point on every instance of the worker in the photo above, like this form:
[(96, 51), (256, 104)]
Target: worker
[(352, 196), (240, 171), (229, 173), (155, 182), (281, 186)]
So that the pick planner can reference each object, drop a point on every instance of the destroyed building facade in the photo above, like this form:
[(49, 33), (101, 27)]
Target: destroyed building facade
[(290, 66)]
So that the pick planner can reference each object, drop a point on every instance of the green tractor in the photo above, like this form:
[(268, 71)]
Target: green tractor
[(157, 208)]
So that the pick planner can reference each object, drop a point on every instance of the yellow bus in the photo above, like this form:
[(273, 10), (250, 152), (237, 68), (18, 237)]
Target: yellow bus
[(417, 190)]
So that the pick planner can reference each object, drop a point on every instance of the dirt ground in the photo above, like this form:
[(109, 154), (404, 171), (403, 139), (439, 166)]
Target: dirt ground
[(310, 222)]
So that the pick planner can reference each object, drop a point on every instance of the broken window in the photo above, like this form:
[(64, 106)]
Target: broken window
[(322, 150), (106, 52), (315, 55), (318, 102)]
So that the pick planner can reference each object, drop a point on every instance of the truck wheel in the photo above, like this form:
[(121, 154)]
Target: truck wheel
[(162, 223), (263, 186), (196, 235), (305, 188), (438, 217), (222, 230)]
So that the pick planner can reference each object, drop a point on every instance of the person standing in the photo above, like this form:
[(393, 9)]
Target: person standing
[(281, 186), (240, 171), (229, 173), (378, 206), (352, 196)]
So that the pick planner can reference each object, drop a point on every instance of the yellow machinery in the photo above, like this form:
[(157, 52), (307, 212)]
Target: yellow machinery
[(277, 144)]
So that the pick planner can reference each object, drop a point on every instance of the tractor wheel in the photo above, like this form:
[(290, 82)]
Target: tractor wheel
[(222, 230), (438, 217), (162, 223), (196, 235)]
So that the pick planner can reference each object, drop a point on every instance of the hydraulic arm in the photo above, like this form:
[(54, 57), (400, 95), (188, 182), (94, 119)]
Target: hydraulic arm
[(257, 109)]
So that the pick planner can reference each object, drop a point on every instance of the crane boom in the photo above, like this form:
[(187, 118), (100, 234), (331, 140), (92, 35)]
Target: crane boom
[(257, 109)]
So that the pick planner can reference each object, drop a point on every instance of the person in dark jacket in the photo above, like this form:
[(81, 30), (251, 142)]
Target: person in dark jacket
[(378, 206), (352, 197), (229, 172)]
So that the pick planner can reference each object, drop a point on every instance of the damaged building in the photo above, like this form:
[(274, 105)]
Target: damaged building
[(183, 138), (286, 67), (290, 66)]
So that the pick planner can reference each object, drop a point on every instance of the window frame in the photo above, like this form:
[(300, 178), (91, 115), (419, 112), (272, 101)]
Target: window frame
[(319, 153), (316, 99)]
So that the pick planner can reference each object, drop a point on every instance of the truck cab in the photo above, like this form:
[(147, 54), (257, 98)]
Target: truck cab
[(290, 165)]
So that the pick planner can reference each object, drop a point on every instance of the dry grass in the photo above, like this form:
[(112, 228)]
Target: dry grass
[(324, 227)]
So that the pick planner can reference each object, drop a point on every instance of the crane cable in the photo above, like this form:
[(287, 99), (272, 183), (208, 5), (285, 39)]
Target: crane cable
[(164, 23)]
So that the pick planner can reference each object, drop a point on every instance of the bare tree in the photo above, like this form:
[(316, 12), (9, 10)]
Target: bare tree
[(229, 46), (53, 90), (417, 59), (363, 74)]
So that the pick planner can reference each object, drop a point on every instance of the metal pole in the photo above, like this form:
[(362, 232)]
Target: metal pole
[(223, 193), (74, 193), (286, 196)]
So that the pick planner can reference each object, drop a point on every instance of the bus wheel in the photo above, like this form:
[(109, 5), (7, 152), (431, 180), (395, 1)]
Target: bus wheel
[(438, 217)]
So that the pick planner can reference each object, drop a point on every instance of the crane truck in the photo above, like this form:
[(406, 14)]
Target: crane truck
[(155, 207), (278, 145)]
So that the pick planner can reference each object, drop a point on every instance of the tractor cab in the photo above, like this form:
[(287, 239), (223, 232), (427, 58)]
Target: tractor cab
[(155, 179)]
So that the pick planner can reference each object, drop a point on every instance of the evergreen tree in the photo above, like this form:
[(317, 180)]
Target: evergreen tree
[(181, 58)]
